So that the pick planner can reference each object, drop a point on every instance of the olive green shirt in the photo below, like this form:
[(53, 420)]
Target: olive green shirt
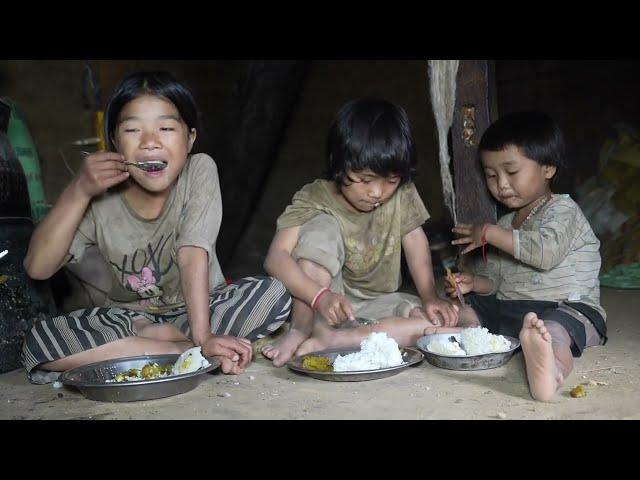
[(372, 240)]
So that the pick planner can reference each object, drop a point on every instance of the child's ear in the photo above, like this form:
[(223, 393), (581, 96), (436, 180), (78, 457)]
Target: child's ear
[(192, 138), (549, 171)]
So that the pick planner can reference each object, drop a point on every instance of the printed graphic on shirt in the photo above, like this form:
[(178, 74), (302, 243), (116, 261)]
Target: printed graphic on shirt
[(144, 284), (142, 271)]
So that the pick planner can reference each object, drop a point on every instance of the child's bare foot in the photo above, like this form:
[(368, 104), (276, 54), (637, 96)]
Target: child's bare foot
[(542, 372), (282, 350), (324, 337), (229, 367)]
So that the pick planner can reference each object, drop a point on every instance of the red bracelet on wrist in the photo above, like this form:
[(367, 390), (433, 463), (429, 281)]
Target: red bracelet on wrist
[(321, 292), (483, 241)]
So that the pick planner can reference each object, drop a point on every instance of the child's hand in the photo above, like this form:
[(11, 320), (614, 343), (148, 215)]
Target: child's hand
[(471, 235), (234, 353), (441, 312), (463, 280), (101, 171), (335, 308)]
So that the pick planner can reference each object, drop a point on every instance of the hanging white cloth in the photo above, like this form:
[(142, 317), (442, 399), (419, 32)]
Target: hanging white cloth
[(442, 76)]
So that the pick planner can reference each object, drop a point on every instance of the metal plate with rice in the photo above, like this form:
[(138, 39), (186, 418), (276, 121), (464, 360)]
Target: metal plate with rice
[(410, 356), (91, 379), (482, 361)]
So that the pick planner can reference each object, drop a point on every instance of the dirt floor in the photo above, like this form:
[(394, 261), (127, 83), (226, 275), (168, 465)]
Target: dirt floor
[(610, 375)]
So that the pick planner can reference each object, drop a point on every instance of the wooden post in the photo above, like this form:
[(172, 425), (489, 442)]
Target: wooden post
[(475, 109)]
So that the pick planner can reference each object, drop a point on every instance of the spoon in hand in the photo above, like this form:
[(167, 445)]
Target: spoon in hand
[(150, 166)]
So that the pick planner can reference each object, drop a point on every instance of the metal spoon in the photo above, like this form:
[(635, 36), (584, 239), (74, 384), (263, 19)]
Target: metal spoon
[(150, 166), (459, 342), (359, 321)]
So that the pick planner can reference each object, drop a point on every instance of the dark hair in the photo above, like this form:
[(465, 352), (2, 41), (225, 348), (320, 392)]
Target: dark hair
[(373, 134), (161, 84), (535, 134)]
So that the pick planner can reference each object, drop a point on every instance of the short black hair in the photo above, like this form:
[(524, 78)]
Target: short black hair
[(373, 134), (159, 83), (534, 133)]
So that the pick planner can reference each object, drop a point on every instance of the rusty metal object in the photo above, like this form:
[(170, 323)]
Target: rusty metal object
[(469, 125)]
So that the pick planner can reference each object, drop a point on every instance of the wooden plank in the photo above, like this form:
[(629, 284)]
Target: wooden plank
[(475, 109)]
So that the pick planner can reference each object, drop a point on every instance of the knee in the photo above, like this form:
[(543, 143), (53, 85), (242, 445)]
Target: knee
[(320, 242), (323, 227), (558, 333), (315, 271), (468, 318)]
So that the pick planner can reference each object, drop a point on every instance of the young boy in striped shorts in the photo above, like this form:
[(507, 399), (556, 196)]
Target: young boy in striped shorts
[(540, 281)]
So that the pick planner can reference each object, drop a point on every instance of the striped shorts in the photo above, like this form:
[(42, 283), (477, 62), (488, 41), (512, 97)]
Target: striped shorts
[(251, 308)]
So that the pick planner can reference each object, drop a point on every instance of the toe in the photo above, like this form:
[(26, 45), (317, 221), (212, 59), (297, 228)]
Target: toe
[(270, 352), (278, 362), (226, 365)]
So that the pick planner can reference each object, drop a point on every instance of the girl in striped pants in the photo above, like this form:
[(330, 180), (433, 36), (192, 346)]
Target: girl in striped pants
[(154, 210)]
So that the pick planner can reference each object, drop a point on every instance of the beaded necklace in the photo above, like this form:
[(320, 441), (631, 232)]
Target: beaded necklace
[(535, 210)]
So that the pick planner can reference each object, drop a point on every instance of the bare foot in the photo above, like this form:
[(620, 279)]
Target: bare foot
[(229, 367), (542, 372), (282, 350), (324, 337)]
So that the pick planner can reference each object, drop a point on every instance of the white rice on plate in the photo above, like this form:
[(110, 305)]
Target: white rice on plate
[(476, 341), (376, 351), (190, 361), (446, 347)]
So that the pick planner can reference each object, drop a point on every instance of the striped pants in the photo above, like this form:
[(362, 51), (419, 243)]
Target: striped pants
[(251, 308)]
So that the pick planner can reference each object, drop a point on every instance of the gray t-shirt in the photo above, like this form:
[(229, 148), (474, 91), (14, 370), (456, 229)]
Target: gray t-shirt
[(556, 257), (142, 253)]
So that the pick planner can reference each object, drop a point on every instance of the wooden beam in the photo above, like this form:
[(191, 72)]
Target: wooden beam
[(475, 109)]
